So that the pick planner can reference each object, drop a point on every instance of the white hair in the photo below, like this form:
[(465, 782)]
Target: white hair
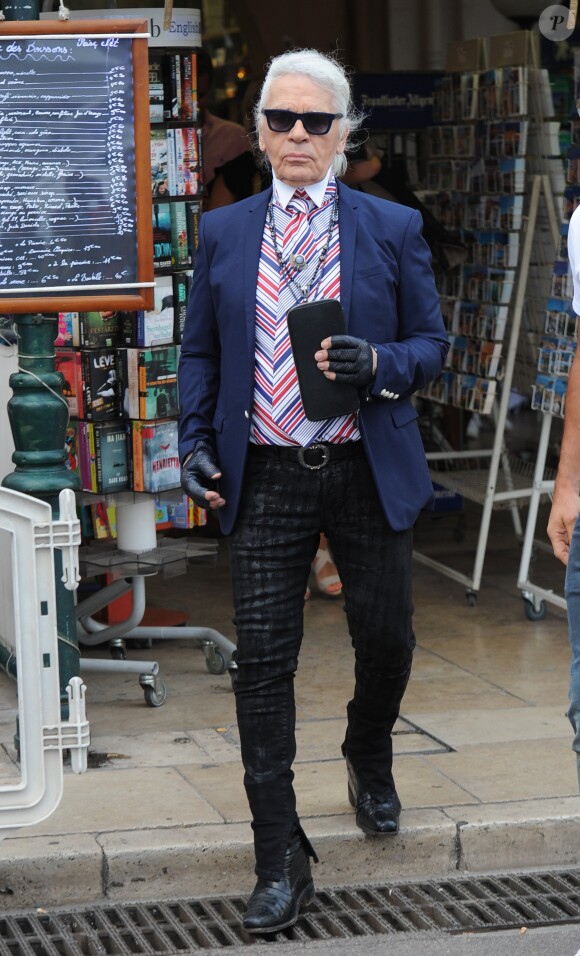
[(327, 73)]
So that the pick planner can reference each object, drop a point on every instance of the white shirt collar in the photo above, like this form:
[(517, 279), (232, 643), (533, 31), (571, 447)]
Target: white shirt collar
[(284, 192)]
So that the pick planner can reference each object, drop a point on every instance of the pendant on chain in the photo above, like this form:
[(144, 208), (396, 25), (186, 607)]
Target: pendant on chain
[(297, 261)]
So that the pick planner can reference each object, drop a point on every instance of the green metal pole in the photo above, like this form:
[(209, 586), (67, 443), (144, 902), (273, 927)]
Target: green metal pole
[(38, 415)]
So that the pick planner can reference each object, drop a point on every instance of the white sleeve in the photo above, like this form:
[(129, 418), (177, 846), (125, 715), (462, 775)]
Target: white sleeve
[(573, 244)]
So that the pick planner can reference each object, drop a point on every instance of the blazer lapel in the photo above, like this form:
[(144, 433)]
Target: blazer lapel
[(347, 224), (254, 232)]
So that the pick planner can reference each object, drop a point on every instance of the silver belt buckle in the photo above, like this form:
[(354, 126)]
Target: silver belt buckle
[(323, 463)]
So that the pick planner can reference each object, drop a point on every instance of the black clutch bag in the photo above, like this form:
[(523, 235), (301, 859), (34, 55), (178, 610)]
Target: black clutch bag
[(308, 325)]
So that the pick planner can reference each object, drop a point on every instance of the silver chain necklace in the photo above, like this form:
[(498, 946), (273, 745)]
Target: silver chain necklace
[(301, 292)]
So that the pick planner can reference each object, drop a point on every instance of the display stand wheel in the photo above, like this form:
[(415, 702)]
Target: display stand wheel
[(535, 612)]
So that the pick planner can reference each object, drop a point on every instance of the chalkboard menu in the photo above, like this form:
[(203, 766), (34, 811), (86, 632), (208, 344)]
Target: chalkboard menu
[(75, 195)]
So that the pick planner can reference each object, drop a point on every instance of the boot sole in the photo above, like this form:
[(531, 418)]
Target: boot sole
[(305, 898)]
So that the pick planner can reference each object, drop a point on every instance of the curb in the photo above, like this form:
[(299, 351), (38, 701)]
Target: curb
[(199, 861)]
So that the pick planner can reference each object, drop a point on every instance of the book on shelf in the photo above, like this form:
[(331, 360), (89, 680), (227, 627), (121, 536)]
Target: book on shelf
[(162, 249), (181, 289), (67, 329), (104, 466), (174, 74), (185, 514), (104, 521), (159, 163), (71, 447), (156, 86), (162, 235), (153, 454), (184, 232), (184, 163), (148, 382), (155, 326), (188, 105), (180, 248), (68, 363), (99, 385), (98, 330)]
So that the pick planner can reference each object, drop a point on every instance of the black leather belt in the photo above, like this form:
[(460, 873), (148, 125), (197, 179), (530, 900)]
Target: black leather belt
[(314, 457)]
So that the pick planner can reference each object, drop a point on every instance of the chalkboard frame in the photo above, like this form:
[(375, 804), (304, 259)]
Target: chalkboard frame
[(86, 300)]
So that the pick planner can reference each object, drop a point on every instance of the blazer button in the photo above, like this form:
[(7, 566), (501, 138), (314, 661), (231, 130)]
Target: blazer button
[(246, 413)]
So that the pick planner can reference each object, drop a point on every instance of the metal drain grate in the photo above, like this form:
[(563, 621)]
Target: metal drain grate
[(186, 926)]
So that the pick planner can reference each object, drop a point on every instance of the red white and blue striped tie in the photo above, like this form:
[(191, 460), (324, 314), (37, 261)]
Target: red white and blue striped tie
[(299, 240), (301, 229)]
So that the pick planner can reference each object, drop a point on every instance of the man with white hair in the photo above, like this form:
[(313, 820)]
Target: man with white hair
[(277, 478)]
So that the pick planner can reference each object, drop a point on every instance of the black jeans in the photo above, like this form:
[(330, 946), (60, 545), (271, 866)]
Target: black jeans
[(284, 507)]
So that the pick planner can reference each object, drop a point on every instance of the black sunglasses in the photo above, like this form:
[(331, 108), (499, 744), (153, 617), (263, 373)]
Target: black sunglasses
[(316, 124)]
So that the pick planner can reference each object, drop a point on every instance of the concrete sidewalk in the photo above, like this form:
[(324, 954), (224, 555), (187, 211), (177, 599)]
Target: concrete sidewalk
[(483, 760)]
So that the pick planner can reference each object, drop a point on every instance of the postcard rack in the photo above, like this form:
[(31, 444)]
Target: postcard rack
[(555, 356), (490, 180)]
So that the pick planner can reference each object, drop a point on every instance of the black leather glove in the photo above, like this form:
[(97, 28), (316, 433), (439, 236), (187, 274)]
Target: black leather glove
[(352, 360), (197, 473)]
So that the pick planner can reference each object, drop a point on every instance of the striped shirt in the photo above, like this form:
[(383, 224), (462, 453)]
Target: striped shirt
[(275, 378)]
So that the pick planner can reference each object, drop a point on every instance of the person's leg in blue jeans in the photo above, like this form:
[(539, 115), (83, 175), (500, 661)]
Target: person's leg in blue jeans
[(572, 592)]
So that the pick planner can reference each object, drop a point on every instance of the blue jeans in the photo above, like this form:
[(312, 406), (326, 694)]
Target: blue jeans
[(572, 593), (283, 510)]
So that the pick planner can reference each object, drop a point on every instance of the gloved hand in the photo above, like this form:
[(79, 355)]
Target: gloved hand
[(352, 360), (199, 474)]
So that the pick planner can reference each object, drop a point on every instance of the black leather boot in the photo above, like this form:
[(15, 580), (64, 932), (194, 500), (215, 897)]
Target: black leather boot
[(275, 904), (376, 816)]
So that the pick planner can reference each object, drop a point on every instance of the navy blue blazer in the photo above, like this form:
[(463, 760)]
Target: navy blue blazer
[(388, 295)]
